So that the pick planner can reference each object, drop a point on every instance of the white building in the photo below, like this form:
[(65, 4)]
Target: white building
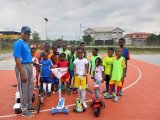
[(104, 35)]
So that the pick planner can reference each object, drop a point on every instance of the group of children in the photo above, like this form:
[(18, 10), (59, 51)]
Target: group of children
[(111, 69)]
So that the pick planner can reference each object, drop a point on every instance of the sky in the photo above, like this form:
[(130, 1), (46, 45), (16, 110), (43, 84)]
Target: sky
[(65, 16)]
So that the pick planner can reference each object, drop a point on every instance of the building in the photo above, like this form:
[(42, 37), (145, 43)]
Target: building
[(137, 38), (104, 35), (10, 35)]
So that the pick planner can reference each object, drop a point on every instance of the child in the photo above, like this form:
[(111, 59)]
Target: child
[(98, 72), (54, 49), (55, 80), (80, 70), (125, 54), (45, 73), (63, 63), (107, 63), (82, 46), (118, 74), (35, 69), (47, 50), (71, 65), (92, 60), (64, 46)]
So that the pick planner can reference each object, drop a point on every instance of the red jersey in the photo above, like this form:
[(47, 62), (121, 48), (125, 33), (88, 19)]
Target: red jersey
[(63, 64)]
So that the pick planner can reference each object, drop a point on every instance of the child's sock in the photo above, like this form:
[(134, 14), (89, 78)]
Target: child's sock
[(118, 89), (49, 87), (44, 86), (110, 89)]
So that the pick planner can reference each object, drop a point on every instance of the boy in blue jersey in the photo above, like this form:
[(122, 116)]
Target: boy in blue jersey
[(126, 55), (46, 73), (24, 73)]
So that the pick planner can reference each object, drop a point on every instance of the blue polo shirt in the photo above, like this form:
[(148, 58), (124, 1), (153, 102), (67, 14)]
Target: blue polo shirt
[(22, 50), (46, 66), (125, 53)]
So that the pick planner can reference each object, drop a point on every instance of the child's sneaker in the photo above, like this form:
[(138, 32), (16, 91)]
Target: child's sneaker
[(105, 94), (48, 94), (84, 104), (63, 91), (27, 114), (115, 98), (109, 96), (120, 93)]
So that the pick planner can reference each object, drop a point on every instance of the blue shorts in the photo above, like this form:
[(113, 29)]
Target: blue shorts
[(71, 73), (55, 80), (46, 80)]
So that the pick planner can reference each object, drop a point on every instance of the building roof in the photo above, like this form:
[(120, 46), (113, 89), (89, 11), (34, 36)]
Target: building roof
[(139, 33), (104, 29), (9, 32)]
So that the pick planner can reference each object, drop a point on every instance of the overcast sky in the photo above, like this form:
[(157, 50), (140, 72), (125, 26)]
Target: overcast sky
[(65, 15)]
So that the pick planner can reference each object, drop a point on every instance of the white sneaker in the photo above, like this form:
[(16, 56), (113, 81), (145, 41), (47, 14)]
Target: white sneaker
[(84, 104)]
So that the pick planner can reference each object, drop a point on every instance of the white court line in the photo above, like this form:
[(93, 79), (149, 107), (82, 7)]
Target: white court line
[(46, 110)]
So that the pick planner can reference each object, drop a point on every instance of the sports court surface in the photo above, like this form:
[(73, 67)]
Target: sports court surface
[(141, 99)]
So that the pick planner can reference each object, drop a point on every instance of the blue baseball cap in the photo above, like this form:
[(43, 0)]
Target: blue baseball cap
[(25, 29)]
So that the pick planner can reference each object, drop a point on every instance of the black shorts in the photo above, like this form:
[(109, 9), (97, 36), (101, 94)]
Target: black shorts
[(108, 78)]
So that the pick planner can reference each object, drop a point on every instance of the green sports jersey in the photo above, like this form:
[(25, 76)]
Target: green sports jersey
[(92, 63), (67, 53), (117, 70), (107, 63), (71, 60)]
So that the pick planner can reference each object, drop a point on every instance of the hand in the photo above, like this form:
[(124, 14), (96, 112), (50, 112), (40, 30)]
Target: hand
[(76, 74), (122, 78), (24, 78), (85, 74)]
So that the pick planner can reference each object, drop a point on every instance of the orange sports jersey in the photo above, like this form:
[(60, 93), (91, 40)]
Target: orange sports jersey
[(37, 53)]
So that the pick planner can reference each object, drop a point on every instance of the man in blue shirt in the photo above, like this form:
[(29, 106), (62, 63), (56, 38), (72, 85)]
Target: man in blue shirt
[(23, 68)]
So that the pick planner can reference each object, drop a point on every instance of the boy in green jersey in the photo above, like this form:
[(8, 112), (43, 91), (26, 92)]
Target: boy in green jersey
[(107, 63), (118, 74), (92, 60), (71, 65)]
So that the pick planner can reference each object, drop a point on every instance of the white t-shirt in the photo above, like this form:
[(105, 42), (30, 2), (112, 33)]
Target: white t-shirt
[(98, 73), (80, 65)]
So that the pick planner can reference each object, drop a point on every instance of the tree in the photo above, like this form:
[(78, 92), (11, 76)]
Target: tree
[(35, 36), (87, 39), (151, 39), (72, 42)]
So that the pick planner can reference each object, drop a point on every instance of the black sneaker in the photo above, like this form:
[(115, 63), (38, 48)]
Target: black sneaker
[(27, 114), (48, 94), (32, 108)]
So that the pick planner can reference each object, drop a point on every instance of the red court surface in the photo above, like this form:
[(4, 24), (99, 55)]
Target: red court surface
[(141, 99)]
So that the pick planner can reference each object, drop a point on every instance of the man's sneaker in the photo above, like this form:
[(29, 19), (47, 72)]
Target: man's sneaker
[(31, 108), (115, 99), (27, 114), (48, 94), (84, 104), (120, 93), (108, 96)]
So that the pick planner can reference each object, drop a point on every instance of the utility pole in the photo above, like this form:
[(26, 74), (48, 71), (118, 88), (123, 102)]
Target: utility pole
[(46, 27)]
